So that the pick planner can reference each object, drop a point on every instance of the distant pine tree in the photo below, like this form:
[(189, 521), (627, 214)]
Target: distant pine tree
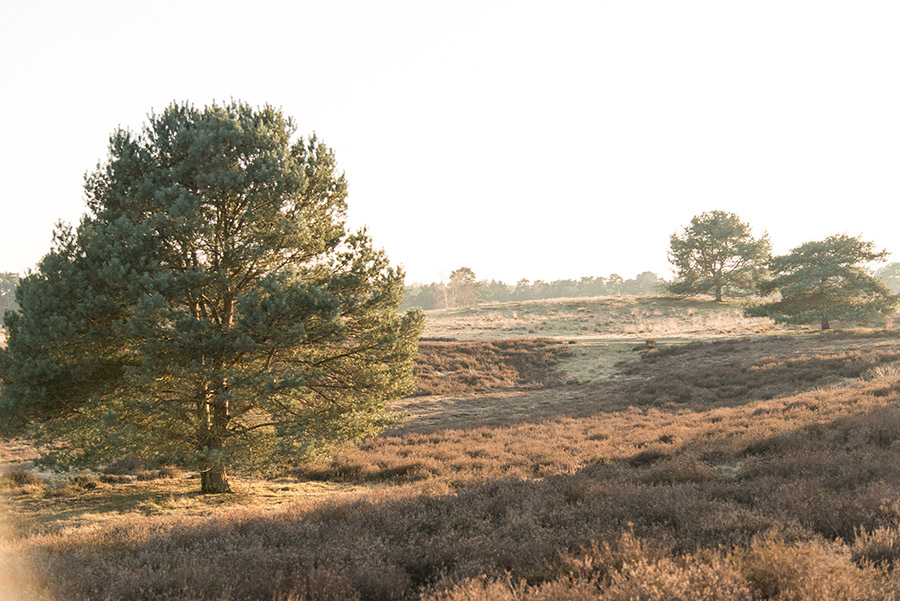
[(825, 280)]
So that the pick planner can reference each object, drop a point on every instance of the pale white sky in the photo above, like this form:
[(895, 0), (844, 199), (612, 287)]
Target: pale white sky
[(522, 139)]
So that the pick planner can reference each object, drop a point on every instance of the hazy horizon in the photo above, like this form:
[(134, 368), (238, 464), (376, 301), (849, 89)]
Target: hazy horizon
[(516, 139)]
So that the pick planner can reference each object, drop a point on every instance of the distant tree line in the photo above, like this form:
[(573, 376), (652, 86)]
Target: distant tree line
[(465, 290)]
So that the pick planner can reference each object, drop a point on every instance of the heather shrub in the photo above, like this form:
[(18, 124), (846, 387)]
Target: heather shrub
[(648, 457), (124, 465), (503, 589), (888, 371), (802, 571), (170, 471), (478, 589), (116, 478), (20, 478), (599, 560), (146, 475), (678, 579), (879, 547), (681, 469), (85, 481), (65, 488)]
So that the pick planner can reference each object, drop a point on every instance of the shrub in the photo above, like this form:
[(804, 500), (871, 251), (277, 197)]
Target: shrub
[(880, 547), (170, 471), (124, 465), (802, 571), (85, 481), (20, 478), (116, 478)]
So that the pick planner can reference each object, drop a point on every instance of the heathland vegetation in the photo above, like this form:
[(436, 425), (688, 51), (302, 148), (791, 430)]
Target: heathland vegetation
[(745, 468), (211, 311)]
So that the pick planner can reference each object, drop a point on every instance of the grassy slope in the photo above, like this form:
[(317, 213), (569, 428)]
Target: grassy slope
[(626, 485), (601, 318)]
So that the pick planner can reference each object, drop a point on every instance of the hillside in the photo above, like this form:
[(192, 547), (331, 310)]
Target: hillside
[(608, 317), (739, 462)]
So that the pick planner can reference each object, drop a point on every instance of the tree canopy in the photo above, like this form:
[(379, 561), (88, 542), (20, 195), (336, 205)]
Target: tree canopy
[(463, 289), (824, 280), (717, 254), (210, 308), (8, 283)]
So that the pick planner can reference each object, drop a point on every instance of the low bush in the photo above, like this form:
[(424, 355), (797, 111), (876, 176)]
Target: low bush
[(20, 478), (85, 481), (170, 471), (124, 466), (116, 478), (146, 475)]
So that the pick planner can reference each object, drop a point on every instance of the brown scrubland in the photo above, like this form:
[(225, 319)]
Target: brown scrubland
[(758, 463)]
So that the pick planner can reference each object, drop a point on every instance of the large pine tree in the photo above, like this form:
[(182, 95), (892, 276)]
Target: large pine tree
[(209, 307), (824, 280)]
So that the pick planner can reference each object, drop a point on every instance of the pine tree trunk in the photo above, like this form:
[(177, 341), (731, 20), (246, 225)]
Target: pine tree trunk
[(213, 477), (214, 480), (825, 324)]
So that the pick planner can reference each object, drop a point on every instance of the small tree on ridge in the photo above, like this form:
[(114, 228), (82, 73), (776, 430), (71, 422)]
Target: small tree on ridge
[(462, 291), (717, 254)]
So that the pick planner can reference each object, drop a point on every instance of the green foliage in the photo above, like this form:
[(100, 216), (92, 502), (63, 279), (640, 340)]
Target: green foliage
[(463, 289), (824, 280), (8, 283), (717, 254), (890, 275), (210, 309)]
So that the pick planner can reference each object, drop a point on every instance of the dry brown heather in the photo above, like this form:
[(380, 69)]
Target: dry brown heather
[(450, 367), (759, 468)]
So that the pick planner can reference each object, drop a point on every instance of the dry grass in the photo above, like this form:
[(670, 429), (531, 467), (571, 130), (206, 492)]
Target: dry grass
[(607, 318), (764, 468), (19, 478)]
